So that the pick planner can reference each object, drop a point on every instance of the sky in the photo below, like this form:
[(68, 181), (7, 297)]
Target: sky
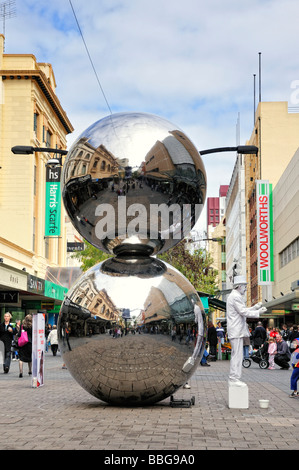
[(190, 62)]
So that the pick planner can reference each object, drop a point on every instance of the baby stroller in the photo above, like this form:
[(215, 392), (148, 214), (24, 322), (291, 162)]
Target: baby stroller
[(260, 356)]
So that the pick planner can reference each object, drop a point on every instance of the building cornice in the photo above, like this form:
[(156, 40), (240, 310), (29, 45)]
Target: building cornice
[(40, 78)]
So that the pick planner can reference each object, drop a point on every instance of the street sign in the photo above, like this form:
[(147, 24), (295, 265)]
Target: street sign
[(53, 202), (264, 232)]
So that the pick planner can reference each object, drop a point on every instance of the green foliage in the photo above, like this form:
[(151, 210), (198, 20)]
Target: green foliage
[(195, 267), (90, 256)]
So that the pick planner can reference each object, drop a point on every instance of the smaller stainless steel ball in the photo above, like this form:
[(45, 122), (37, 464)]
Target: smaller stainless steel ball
[(132, 331), (133, 182)]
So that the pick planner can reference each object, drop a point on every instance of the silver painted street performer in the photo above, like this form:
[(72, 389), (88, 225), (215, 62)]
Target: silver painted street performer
[(237, 327)]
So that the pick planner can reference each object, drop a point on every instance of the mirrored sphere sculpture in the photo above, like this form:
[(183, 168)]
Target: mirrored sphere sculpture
[(132, 328), (133, 181), (140, 365)]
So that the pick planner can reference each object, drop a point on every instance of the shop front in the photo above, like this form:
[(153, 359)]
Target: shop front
[(283, 310), (12, 282), (22, 293)]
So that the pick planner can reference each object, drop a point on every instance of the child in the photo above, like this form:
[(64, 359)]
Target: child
[(295, 365), (272, 348)]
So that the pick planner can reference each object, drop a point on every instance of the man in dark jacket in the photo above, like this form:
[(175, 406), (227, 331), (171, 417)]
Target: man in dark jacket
[(212, 340), (6, 336), (259, 336), (283, 355)]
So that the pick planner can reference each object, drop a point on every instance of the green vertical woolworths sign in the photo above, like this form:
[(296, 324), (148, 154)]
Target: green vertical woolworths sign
[(264, 219), (53, 202)]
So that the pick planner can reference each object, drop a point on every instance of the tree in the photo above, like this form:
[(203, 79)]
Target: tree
[(90, 256), (195, 267)]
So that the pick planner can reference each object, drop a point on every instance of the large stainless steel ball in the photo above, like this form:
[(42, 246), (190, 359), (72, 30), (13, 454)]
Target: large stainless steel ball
[(131, 331), (133, 182)]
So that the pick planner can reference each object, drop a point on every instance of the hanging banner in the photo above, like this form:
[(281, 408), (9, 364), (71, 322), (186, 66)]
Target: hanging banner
[(53, 202), (38, 349), (264, 217)]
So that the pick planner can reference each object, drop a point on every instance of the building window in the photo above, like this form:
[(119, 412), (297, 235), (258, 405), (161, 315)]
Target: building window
[(48, 138), (34, 180), (47, 250), (289, 253), (33, 234), (35, 122)]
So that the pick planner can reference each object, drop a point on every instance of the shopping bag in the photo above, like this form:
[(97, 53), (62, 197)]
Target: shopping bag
[(23, 339)]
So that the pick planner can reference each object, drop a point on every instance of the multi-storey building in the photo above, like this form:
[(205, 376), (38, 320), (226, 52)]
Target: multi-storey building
[(30, 115), (216, 208), (235, 223), (276, 134), (283, 304)]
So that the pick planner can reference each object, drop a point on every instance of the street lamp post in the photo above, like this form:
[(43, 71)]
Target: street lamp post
[(28, 150), (242, 149), (53, 195)]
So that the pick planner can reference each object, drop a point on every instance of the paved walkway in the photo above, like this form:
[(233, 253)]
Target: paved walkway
[(61, 415)]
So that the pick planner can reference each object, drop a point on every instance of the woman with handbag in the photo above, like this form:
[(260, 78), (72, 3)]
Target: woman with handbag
[(6, 336), (25, 345)]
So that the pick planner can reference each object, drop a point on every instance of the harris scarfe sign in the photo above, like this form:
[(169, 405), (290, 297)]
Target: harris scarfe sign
[(53, 202), (264, 232)]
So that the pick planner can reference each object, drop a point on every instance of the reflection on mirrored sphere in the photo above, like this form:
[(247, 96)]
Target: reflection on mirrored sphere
[(133, 182), (136, 362)]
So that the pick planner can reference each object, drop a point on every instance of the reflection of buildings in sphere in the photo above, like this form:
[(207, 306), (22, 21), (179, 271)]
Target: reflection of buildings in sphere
[(85, 159), (151, 163), (98, 303), (140, 368), (133, 185)]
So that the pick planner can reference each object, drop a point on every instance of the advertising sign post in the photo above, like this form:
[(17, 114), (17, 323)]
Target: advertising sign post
[(264, 232), (38, 349), (53, 202)]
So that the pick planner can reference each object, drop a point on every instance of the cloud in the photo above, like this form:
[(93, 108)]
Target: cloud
[(190, 62)]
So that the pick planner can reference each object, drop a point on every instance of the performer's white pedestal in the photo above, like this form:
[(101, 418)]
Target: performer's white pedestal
[(238, 396)]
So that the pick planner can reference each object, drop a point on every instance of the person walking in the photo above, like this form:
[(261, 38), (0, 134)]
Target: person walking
[(220, 333), (212, 340), (295, 365), (14, 344), (47, 332), (6, 336), (246, 345), (259, 336), (293, 335), (53, 340), (25, 352), (221, 338)]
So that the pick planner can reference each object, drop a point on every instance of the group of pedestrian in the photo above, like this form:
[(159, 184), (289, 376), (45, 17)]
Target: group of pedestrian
[(216, 337), (260, 334), (283, 349), (278, 343), (9, 335), (10, 342)]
